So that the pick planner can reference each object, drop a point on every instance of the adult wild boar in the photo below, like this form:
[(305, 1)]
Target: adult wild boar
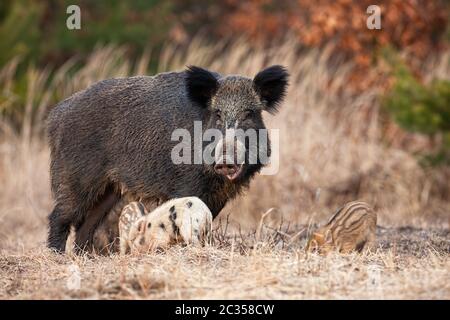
[(114, 138)]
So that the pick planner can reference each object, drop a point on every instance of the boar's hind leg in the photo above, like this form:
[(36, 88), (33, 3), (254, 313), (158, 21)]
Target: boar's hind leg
[(59, 224), (93, 218)]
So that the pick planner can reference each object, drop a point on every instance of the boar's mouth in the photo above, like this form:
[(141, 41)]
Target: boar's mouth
[(230, 156), (230, 171)]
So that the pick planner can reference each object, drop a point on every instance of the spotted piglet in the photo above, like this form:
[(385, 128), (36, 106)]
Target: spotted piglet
[(183, 220)]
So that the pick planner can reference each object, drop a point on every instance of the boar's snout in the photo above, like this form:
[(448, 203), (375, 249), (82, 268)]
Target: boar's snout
[(231, 171), (229, 158)]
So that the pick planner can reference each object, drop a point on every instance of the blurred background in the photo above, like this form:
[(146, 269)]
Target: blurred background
[(367, 115)]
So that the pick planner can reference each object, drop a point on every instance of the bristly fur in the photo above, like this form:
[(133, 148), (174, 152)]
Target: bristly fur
[(271, 84), (201, 85)]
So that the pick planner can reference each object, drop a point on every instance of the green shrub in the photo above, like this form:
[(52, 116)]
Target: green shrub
[(37, 32), (19, 29), (421, 108)]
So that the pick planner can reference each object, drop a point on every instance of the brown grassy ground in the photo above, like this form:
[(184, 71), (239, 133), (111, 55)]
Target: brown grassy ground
[(409, 264), (332, 150)]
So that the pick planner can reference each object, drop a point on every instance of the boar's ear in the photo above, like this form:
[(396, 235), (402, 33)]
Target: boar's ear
[(201, 85), (271, 85)]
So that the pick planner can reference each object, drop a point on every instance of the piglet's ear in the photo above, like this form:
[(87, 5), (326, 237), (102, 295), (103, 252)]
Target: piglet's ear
[(318, 237), (141, 227), (201, 85), (271, 85)]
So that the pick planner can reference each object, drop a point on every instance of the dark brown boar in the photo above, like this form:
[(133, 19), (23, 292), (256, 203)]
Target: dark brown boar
[(114, 138)]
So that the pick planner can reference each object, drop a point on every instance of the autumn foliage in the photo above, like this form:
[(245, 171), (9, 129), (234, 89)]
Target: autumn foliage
[(415, 26)]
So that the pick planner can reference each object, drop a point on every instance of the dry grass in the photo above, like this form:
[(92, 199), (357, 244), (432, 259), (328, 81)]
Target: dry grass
[(237, 270), (331, 151)]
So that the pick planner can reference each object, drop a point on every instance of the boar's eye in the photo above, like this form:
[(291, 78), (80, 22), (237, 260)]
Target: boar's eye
[(218, 117), (248, 114)]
